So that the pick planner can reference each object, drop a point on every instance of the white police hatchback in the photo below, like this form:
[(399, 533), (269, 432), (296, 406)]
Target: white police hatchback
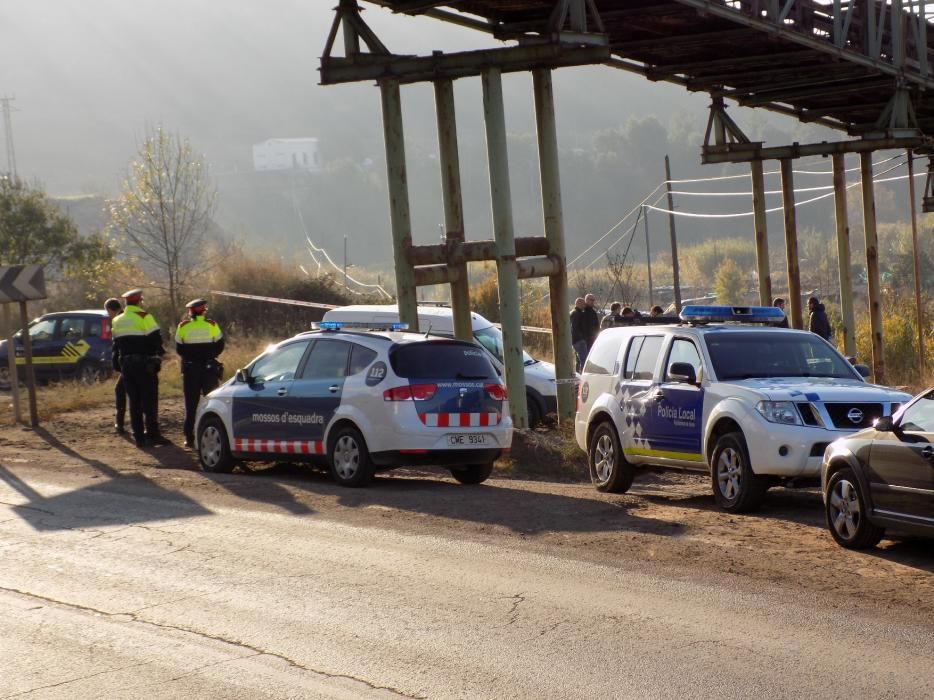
[(361, 401)]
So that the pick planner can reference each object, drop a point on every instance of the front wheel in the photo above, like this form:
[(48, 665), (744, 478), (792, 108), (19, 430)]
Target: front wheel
[(473, 473), (847, 513), (349, 458), (736, 488), (534, 412), (214, 448), (609, 469)]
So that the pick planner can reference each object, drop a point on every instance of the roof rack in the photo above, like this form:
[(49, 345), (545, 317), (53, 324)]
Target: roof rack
[(697, 315)]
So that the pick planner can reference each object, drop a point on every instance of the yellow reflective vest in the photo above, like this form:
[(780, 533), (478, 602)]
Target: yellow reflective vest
[(199, 338)]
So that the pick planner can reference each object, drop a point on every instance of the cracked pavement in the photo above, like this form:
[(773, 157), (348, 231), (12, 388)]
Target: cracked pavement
[(145, 580)]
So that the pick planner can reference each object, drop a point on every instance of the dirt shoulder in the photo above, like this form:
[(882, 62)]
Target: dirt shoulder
[(668, 520)]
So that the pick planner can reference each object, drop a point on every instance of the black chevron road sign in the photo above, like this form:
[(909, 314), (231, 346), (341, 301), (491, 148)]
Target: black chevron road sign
[(22, 283)]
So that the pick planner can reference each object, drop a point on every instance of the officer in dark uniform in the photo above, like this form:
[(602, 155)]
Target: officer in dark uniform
[(137, 353), (114, 308), (198, 341)]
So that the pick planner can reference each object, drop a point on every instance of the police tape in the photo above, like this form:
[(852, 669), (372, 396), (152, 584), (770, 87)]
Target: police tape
[(574, 380), (275, 300)]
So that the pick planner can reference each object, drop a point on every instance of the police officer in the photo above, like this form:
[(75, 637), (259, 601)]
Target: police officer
[(138, 353), (114, 308), (198, 341)]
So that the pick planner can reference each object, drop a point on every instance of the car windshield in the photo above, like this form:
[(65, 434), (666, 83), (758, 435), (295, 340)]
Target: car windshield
[(773, 353), (492, 339), (441, 360)]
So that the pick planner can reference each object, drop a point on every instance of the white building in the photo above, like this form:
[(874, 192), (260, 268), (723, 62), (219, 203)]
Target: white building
[(287, 154)]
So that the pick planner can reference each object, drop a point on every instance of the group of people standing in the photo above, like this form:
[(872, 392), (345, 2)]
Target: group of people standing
[(586, 323), (137, 356)]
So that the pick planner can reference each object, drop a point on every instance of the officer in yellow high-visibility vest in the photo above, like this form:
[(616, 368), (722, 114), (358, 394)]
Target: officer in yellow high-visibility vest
[(138, 353), (198, 341)]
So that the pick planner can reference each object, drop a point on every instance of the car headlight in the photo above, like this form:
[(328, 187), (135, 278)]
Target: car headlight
[(783, 412)]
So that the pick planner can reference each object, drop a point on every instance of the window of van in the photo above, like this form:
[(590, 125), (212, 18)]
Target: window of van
[(602, 356), (492, 339), (648, 357)]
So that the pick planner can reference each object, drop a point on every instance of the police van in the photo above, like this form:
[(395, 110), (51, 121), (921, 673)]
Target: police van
[(65, 344), (360, 401), (541, 394), (725, 393)]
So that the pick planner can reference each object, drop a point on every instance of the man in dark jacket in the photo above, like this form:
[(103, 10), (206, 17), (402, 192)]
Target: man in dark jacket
[(817, 319), (779, 303), (578, 334), (591, 321)]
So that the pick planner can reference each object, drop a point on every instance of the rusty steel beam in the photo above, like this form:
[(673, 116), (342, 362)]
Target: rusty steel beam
[(414, 69), (919, 307), (457, 252), (428, 275), (542, 266), (744, 153), (762, 234), (844, 258)]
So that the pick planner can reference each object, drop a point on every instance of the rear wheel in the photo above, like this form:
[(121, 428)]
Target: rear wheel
[(736, 488), (609, 469), (213, 447), (535, 413), (89, 373), (473, 473), (848, 513), (349, 458), (4, 375)]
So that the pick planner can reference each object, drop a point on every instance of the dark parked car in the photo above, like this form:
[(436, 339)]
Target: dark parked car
[(882, 477), (64, 344)]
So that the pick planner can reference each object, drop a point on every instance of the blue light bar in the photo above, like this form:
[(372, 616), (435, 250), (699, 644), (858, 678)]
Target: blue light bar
[(740, 314), (338, 325)]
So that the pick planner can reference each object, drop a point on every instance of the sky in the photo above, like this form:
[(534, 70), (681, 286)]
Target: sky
[(90, 76)]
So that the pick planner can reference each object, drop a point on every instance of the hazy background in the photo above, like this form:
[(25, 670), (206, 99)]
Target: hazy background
[(90, 75)]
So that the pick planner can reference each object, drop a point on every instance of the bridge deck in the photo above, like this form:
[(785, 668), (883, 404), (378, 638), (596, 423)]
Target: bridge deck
[(840, 70)]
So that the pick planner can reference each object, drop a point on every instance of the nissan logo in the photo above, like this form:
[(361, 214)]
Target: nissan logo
[(855, 416)]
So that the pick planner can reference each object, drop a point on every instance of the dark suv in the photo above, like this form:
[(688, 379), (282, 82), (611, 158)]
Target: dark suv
[(64, 344), (882, 477)]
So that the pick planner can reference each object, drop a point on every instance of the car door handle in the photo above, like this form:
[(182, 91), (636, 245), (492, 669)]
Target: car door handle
[(282, 391), (928, 452), (658, 395), (334, 388)]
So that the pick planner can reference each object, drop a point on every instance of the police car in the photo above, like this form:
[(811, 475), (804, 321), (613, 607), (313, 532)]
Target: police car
[(361, 401), (751, 404), (64, 344)]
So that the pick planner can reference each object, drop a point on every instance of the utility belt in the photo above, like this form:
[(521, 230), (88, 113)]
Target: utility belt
[(206, 365), (150, 364)]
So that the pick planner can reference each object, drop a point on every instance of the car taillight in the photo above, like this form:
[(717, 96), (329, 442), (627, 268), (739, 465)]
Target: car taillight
[(497, 392), (105, 329), (413, 392)]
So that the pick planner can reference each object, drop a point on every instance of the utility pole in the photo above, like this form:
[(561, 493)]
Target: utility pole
[(675, 270), (648, 254), (345, 262), (8, 134)]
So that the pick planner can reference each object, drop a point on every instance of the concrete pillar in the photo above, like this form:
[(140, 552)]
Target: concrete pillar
[(791, 244), (453, 201), (844, 259), (553, 213), (762, 234), (510, 314), (872, 266), (399, 201)]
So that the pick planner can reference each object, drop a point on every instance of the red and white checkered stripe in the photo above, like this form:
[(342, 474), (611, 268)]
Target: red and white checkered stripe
[(459, 420), (285, 447)]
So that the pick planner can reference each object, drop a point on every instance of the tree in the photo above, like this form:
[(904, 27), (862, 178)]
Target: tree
[(729, 284), (32, 230), (165, 211)]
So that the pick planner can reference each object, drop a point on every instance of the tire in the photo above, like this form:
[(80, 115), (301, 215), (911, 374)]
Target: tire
[(610, 472), (89, 373), (349, 458), (4, 376), (848, 513), (535, 413), (214, 447), (473, 473), (736, 488)]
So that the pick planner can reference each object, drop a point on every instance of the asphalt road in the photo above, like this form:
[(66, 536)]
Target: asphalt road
[(181, 587)]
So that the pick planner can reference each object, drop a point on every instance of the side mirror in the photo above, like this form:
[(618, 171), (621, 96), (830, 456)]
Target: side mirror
[(863, 370), (682, 372), (243, 376), (885, 424)]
